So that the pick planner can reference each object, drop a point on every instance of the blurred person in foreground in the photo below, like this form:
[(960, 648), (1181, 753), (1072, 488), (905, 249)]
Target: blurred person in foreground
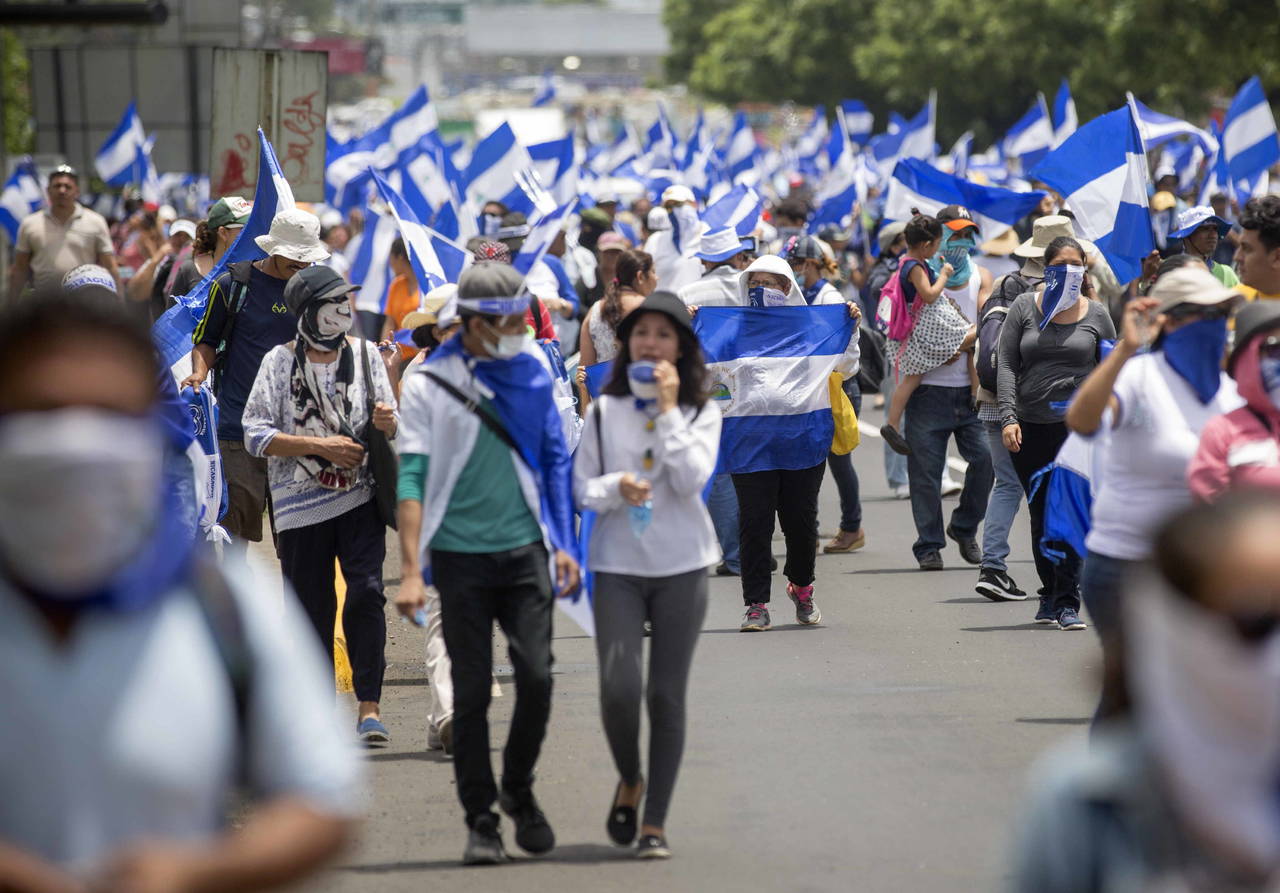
[(1179, 792), (143, 687)]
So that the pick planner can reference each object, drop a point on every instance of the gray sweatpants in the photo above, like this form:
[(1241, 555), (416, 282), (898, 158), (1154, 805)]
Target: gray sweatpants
[(676, 606)]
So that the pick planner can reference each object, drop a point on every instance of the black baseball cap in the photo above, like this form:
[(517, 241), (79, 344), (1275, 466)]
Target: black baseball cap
[(956, 218), (314, 283), (803, 248), (1253, 319), (663, 302)]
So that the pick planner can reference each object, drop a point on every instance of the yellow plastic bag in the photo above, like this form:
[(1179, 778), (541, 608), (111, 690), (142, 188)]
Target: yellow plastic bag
[(846, 438)]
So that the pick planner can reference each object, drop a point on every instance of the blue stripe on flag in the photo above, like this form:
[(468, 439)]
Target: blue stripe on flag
[(728, 333), (764, 443)]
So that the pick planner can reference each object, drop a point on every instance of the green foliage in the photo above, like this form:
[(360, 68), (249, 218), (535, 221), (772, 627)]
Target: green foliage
[(986, 58), (16, 99)]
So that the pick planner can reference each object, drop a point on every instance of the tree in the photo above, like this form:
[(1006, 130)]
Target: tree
[(16, 97)]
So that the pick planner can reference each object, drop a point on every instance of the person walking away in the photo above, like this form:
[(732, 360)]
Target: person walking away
[(56, 239), (305, 415), (1050, 342), (143, 688), (1240, 450), (649, 449), (1177, 793), (245, 317), (1150, 411), (214, 237), (482, 452)]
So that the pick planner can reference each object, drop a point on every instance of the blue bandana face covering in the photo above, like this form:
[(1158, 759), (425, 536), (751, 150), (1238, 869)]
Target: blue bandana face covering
[(1195, 353), (1062, 284)]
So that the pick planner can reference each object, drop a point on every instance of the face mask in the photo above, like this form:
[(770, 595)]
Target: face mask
[(1195, 352), (80, 493), (1207, 704), (490, 224), (1062, 284), (323, 324), (1271, 379), (640, 376), (506, 346), (760, 296)]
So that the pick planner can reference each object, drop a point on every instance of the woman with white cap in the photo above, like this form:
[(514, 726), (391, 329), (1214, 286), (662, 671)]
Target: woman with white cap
[(1151, 409)]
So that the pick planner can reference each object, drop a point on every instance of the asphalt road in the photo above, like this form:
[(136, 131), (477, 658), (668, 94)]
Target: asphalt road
[(886, 749)]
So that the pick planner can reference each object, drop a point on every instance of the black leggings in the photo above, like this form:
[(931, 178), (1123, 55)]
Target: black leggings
[(793, 497), (1040, 445)]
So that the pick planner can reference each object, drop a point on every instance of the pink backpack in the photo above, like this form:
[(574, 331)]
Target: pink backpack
[(893, 316)]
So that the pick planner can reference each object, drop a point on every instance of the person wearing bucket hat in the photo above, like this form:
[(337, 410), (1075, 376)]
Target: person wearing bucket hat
[(723, 257), (486, 515), (1044, 230), (1240, 450), (246, 315), (304, 416), (1164, 397), (1200, 231), (649, 448)]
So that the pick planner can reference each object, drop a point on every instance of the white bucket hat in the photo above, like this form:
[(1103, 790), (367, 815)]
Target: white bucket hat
[(295, 234)]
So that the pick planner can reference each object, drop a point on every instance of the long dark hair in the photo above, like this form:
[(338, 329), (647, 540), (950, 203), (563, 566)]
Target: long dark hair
[(691, 366), (206, 240), (631, 264)]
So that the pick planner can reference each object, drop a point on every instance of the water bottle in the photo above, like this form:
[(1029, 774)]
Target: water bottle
[(640, 516)]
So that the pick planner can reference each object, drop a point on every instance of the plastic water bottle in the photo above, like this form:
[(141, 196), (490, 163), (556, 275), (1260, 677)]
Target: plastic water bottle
[(640, 516)]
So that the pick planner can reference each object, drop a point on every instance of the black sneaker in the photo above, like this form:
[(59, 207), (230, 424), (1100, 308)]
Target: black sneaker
[(533, 832), (1046, 614), (756, 620), (484, 843), (968, 546), (651, 846), (896, 441), (722, 570), (998, 586), (930, 561)]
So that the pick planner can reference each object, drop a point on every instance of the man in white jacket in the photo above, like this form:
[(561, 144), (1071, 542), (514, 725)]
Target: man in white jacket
[(675, 250), (724, 256)]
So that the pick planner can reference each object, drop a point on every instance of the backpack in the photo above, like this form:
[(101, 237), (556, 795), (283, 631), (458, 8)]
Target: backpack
[(237, 281), (994, 312), (893, 315)]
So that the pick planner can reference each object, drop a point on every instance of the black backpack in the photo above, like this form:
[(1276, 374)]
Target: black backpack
[(994, 311)]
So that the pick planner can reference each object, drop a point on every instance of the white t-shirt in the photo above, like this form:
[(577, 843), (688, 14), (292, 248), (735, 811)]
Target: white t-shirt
[(1143, 461), (126, 731), (956, 374)]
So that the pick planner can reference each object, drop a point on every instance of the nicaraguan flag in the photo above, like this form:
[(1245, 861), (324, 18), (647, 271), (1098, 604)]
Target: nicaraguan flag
[(557, 171), (435, 260), (661, 142), (541, 234), (836, 197), (1068, 508), (624, 150), (368, 254), (1249, 144), (1101, 170), (172, 331), (496, 168), (740, 155), (1031, 138), (915, 184), (1065, 120), (858, 120), (738, 209), (768, 369), (122, 160), (546, 90), (960, 154), (1216, 176), (409, 131), (22, 195), (810, 149), (1158, 129), (912, 139)]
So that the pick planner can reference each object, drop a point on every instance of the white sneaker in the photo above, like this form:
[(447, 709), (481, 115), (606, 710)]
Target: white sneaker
[(902, 491), (950, 486)]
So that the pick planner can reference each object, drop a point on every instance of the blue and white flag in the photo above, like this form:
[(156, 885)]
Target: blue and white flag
[(1249, 144), (546, 90), (738, 209), (1065, 121), (740, 155), (916, 184), (810, 149), (835, 198), (496, 169), (960, 153), (409, 131), (556, 167), (206, 464), (1068, 508), (912, 139), (22, 195), (273, 194), (124, 157), (1031, 138), (858, 120), (435, 260), (369, 253), (541, 234), (661, 142), (1217, 179), (768, 370), (1101, 170), (625, 149), (1158, 129)]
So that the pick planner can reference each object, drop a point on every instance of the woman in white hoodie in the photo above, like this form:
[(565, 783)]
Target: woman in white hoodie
[(788, 492)]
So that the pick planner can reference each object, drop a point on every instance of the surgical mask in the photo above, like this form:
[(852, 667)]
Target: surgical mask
[(762, 296), (1195, 352), (1062, 284), (506, 346), (80, 495), (490, 224), (1271, 379), (641, 378)]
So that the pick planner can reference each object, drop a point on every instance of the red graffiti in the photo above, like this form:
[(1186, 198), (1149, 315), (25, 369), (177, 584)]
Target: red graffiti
[(234, 176), (302, 119)]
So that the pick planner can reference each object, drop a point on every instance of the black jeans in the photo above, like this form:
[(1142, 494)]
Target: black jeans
[(357, 539), (934, 415), (1040, 445), (514, 588), (843, 471), (793, 497)]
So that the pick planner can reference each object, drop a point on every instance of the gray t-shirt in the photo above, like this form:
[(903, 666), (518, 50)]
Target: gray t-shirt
[(1036, 369)]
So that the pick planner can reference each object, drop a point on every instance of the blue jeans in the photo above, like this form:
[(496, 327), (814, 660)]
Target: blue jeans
[(722, 504), (1102, 582), (843, 471), (1002, 507), (934, 415)]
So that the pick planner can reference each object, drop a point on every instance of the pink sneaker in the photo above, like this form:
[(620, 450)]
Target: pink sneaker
[(806, 611)]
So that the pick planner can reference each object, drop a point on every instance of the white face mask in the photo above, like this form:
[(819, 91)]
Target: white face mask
[(640, 377), (334, 319), (1209, 704), (506, 346), (80, 493)]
